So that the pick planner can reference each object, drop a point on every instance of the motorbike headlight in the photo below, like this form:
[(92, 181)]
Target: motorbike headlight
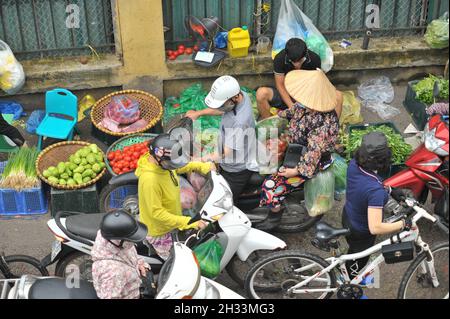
[(432, 143), (226, 202)]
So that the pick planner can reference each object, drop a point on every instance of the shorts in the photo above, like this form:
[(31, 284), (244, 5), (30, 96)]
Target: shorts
[(277, 101)]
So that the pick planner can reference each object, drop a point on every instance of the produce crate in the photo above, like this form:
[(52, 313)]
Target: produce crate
[(27, 202), (394, 168), (119, 194), (415, 108), (83, 200)]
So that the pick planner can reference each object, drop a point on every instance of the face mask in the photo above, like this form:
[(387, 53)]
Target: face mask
[(227, 107)]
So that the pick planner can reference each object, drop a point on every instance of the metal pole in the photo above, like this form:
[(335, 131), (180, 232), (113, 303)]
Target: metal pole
[(258, 17)]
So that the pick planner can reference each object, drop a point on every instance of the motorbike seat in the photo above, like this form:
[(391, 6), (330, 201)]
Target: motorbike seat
[(84, 225), (55, 288), (325, 232)]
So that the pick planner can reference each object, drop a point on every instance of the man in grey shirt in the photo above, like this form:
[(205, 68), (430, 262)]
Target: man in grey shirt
[(237, 145)]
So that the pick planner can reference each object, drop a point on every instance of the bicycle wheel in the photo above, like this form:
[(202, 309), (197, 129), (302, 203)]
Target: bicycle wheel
[(273, 275), (237, 269), (19, 265), (417, 284), (76, 263)]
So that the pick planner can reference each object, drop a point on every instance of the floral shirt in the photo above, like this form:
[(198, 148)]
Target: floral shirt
[(115, 271), (316, 130)]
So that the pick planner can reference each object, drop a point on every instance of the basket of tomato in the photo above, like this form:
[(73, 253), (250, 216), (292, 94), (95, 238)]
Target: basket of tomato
[(123, 155), (181, 50)]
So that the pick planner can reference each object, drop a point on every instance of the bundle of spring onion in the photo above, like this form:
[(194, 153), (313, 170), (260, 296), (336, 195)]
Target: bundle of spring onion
[(20, 172)]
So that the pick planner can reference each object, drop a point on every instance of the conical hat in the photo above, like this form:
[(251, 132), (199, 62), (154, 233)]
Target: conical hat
[(312, 89)]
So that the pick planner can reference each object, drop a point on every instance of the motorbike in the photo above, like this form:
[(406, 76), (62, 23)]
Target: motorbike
[(75, 235), (427, 169), (121, 192), (179, 278)]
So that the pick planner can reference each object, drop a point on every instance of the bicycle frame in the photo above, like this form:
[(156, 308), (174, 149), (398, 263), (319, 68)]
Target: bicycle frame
[(411, 235)]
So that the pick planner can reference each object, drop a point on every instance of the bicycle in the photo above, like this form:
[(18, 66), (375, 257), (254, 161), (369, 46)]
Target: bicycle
[(295, 274), (15, 266)]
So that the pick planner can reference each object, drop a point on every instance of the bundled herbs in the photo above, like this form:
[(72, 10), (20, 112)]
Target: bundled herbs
[(20, 172), (424, 89), (400, 149)]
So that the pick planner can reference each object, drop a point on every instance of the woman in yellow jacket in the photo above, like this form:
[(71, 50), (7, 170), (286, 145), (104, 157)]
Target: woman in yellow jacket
[(159, 191)]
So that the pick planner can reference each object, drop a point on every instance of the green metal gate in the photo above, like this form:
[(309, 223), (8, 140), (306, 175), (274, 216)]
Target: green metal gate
[(336, 19)]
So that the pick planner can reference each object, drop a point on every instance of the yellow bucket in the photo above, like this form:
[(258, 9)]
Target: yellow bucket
[(238, 42)]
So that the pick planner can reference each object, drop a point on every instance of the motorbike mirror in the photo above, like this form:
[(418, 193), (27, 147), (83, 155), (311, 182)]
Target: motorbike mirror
[(436, 90)]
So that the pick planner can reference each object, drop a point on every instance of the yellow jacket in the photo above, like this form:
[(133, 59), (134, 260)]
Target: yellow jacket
[(159, 198)]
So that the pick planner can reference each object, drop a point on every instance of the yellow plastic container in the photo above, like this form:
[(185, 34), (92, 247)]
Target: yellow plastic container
[(238, 42)]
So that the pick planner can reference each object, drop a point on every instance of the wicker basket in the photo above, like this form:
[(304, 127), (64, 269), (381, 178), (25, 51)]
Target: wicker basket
[(150, 107), (60, 152), (127, 141)]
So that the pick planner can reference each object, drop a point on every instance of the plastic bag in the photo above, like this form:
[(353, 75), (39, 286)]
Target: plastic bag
[(188, 194), (437, 33), (351, 109), (34, 120), (293, 23), (197, 181), (384, 111), (209, 255), (123, 110), (319, 193), (9, 107), (377, 89), (138, 125), (221, 39), (340, 176), (86, 102), (12, 76)]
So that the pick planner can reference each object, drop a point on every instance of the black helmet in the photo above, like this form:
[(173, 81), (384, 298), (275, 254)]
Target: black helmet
[(374, 153), (119, 225), (295, 49), (169, 152)]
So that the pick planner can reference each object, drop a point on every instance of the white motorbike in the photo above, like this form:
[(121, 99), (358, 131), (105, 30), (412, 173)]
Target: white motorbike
[(241, 243), (179, 278)]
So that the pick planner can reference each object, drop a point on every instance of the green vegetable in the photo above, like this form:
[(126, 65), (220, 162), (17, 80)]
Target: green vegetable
[(87, 172), (94, 148), (61, 167), (73, 166), (79, 169), (62, 182), (53, 180), (99, 158), (64, 176), (84, 161), (46, 173), (20, 172), (77, 160), (91, 159), (78, 178), (400, 149), (96, 168), (87, 166), (424, 89), (71, 182), (86, 179)]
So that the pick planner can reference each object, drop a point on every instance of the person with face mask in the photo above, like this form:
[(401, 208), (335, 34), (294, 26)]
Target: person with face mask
[(366, 197), (237, 143), (159, 191), (117, 269)]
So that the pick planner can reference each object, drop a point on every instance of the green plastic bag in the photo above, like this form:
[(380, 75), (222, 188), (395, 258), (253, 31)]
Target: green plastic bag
[(209, 255), (437, 33), (319, 193), (340, 176)]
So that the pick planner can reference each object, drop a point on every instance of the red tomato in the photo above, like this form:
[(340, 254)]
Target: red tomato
[(119, 165), (117, 171), (172, 57), (188, 51), (127, 159), (143, 152), (181, 46), (137, 154), (180, 51), (196, 48), (111, 156)]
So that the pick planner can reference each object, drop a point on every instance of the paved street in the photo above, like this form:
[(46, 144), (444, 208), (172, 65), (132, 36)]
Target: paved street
[(31, 236)]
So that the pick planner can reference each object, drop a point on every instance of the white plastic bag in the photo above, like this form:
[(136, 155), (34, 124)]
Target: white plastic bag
[(376, 94), (293, 23), (319, 193), (377, 89), (12, 76)]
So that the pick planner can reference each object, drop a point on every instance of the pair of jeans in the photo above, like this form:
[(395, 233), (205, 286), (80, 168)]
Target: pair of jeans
[(237, 181), (357, 242)]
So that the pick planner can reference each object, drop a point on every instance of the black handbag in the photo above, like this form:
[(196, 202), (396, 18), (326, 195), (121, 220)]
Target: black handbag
[(398, 252)]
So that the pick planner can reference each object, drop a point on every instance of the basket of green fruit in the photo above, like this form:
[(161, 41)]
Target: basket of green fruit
[(71, 165)]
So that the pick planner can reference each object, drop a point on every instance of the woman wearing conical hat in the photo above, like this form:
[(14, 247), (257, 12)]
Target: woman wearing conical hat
[(314, 124)]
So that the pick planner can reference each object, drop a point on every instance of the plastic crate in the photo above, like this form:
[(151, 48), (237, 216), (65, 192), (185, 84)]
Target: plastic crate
[(119, 194), (415, 108), (395, 168), (27, 202)]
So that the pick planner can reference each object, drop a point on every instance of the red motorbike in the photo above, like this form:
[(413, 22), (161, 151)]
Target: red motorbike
[(428, 169)]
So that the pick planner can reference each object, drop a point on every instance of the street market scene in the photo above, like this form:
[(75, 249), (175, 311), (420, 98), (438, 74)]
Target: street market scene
[(226, 149)]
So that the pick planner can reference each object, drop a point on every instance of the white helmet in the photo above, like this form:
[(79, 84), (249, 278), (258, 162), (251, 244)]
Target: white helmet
[(222, 90)]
